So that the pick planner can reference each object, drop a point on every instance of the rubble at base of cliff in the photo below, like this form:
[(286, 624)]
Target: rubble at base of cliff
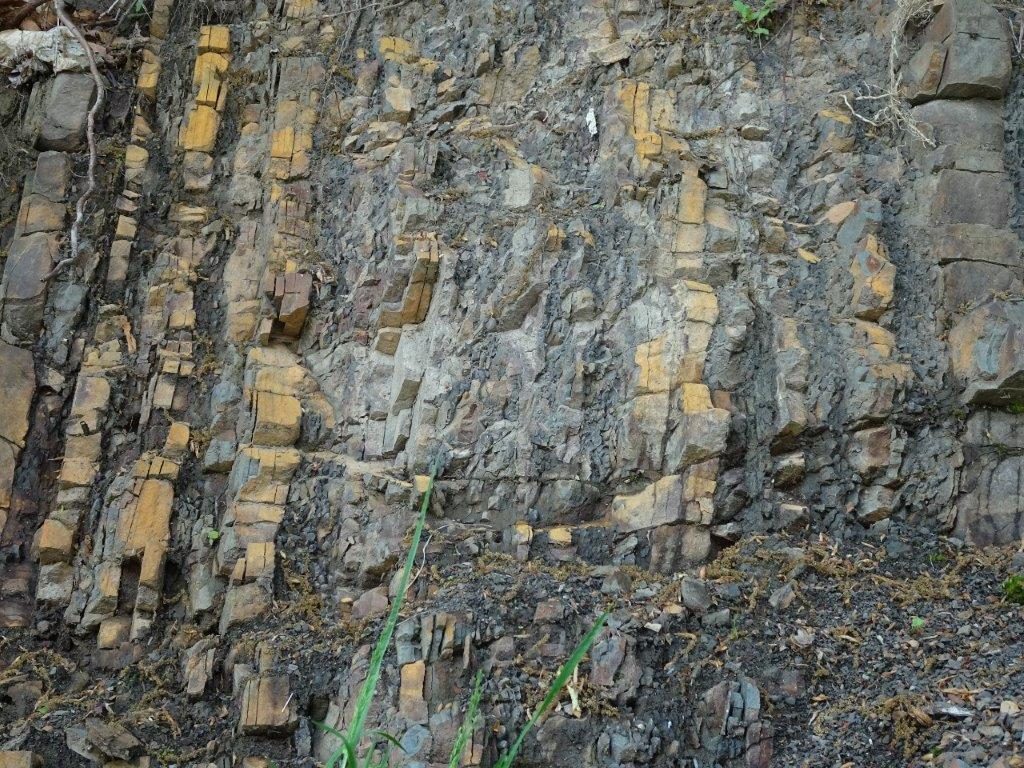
[(788, 650)]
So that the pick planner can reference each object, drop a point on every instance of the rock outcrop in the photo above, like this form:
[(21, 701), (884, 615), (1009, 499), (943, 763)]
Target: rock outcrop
[(640, 297)]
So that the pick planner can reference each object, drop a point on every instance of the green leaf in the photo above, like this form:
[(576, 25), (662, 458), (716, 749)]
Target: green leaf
[(345, 750), (742, 9), (346, 753), (916, 624), (560, 680), (760, 31), (1013, 589), (383, 762), (465, 731), (389, 738), (328, 729)]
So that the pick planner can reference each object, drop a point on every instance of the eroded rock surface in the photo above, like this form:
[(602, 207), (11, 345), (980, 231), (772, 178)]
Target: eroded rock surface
[(645, 293)]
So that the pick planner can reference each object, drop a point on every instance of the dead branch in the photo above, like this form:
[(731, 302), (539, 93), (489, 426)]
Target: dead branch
[(90, 135), (893, 111)]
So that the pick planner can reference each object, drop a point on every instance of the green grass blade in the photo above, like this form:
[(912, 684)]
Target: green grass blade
[(465, 731), (328, 729), (383, 762), (389, 738), (560, 680), (346, 751), (365, 698)]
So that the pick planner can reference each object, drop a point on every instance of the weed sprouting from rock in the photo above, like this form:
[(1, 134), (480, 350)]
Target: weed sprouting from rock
[(1013, 589), (377, 755), (752, 18)]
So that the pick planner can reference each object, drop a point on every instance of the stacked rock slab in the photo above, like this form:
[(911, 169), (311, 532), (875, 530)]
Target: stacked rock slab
[(259, 403), (136, 155), (31, 256), (34, 250), (128, 569), (430, 651), (18, 382), (114, 587), (966, 196), (104, 363), (56, 542), (54, 123)]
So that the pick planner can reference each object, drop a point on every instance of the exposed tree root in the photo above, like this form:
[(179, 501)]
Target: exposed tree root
[(894, 112), (90, 134)]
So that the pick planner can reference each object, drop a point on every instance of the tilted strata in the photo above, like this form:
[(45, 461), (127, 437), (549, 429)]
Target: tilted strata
[(633, 321)]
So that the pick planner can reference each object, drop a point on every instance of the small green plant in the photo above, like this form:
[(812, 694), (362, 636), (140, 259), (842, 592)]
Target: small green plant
[(465, 731), (346, 752), (506, 760), (1013, 589), (378, 754), (751, 18), (1015, 408), (937, 558), (916, 624), (138, 10), (212, 536)]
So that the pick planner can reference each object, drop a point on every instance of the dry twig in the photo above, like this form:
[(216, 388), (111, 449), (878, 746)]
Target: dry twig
[(894, 112), (90, 135)]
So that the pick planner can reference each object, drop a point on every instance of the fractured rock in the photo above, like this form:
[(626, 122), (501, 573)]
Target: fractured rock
[(18, 383), (702, 429), (963, 197), (676, 547), (23, 290), (199, 130), (987, 351), (989, 509), (873, 280), (63, 105), (966, 54), (659, 503), (278, 419), (729, 724), (411, 704), (111, 739), (968, 124), (290, 295), (268, 708), (397, 104), (55, 542)]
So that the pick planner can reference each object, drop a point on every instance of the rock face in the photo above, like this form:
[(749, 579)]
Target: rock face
[(63, 105), (637, 300), (17, 382), (969, 196), (731, 727), (965, 54)]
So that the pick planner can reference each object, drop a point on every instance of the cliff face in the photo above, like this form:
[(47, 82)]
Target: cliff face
[(643, 286)]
